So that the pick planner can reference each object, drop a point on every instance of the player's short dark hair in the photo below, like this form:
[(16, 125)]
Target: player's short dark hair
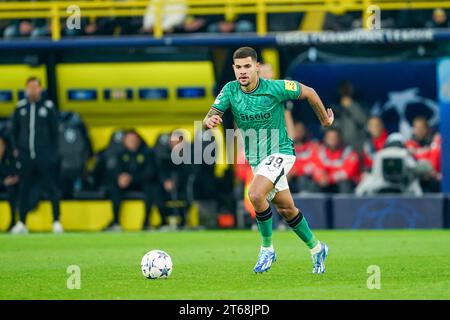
[(33, 78), (245, 52)]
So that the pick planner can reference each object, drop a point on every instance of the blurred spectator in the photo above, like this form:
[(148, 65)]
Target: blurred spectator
[(173, 15), (284, 21), (394, 171), (35, 28), (35, 135), (346, 21), (439, 19), (377, 137), (336, 166), (106, 25), (74, 149), (135, 170), (217, 24), (300, 176), (18, 29), (100, 26), (420, 142), (105, 163), (205, 182), (420, 147), (9, 177), (350, 117), (435, 154), (193, 24), (175, 181)]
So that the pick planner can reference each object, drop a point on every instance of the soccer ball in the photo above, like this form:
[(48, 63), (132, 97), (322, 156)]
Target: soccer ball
[(156, 264)]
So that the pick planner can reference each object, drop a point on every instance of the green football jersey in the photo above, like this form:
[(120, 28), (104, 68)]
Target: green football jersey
[(259, 115)]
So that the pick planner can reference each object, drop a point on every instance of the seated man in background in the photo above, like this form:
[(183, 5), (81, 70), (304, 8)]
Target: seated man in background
[(175, 181), (420, 145), (336, 166), (105, 163), (75, 149), (377, 137), (135, 170), (9, 177), (394, 170), (300, 176)]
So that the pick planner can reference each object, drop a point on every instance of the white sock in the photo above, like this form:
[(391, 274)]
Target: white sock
[(316, 249), (267, 248)]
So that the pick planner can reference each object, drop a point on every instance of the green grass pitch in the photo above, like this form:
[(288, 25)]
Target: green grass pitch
[(218, 265)]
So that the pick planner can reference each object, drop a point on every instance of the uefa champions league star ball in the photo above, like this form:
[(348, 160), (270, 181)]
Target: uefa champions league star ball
[(156, 264)]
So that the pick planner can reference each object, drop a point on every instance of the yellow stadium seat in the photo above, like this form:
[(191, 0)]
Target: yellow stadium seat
[(91, 215)]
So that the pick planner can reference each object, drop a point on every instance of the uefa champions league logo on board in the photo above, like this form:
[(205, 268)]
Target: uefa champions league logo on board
[(378, 213), (402, 102)]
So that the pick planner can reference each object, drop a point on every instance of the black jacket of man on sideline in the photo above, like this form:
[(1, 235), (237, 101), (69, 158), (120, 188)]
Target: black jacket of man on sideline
[(35, 140)]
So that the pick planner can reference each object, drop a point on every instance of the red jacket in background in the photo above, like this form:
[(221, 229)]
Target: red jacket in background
[(339, 165), (304, 153), (435, 152), (371, 147), (429, 151)]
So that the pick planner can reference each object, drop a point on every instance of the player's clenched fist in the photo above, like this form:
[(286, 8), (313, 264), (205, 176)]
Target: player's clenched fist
[(330, 118), (213, 121)]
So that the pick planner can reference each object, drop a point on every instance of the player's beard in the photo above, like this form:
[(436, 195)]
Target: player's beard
[(245, 83)]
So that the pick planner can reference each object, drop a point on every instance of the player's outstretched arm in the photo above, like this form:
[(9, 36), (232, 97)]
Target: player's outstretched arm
[(212, 119), (326, 116)]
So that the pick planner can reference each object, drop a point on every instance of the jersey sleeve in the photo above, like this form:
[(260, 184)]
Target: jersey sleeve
[(222, 102), (287, 89)]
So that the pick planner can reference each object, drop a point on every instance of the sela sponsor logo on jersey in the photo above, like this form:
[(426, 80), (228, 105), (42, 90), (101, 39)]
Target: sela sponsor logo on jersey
[(255, 116)]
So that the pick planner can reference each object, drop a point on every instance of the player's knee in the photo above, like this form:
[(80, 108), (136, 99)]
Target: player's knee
[(256, 197), (287, 212)]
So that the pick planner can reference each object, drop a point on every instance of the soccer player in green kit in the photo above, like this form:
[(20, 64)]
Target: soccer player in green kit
[(258, 104)]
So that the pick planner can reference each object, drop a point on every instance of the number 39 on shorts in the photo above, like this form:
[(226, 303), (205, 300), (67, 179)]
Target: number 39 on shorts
[(274, 161)]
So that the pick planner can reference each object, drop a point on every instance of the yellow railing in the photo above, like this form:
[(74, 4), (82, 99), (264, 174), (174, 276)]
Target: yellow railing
[(57, 10)]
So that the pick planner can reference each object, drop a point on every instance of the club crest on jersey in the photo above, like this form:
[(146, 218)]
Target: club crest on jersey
[(256, 116)]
